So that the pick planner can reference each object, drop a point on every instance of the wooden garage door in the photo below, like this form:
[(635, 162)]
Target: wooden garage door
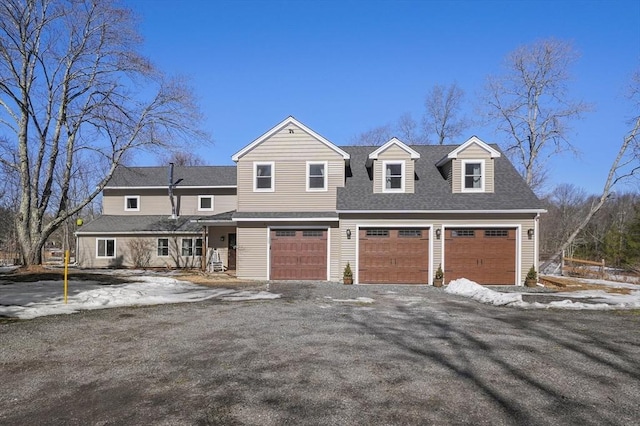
[(393, 256), (299, 254), (484, 255)]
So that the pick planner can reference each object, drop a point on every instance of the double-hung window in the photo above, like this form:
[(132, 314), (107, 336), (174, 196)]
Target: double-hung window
[(106, 247), (393, 176), (163, 247), (263, 177), (191, 247), (316, 176), (132, 203), (473, 171), (205, 203), (187, 247)]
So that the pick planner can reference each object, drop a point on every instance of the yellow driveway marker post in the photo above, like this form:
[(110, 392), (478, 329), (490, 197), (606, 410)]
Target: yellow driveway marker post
[(66, 271)]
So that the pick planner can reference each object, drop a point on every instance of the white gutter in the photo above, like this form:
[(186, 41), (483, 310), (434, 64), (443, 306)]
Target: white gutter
[(444, 211), (165, 187)]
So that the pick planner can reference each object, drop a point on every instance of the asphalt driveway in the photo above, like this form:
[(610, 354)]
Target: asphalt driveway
[(323, 354)]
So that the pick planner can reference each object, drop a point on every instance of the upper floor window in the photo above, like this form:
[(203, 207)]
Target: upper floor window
[(263, 175), (316, 176), (205, 203), (106, 247), (132, 203), (473, 175), (393, 176)]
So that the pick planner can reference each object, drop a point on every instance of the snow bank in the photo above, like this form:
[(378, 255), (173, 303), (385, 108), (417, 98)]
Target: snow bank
[(31, 300), (475, 291)]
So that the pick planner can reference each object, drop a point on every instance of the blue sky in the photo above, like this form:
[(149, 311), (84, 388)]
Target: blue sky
[(344, 67)]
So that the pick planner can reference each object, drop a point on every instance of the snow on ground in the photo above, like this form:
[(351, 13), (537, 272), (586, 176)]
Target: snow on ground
[(31, 300), (597, 299)]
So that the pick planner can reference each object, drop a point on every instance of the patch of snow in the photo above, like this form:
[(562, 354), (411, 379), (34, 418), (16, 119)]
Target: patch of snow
[(356, 300), (31, 300), (602, 299), (468, 288)]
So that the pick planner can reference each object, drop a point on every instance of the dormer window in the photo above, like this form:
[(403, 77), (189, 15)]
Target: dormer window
[(393, 176), (132, 203), (316, 176), (263, 177), (473, 175), (205, 203)]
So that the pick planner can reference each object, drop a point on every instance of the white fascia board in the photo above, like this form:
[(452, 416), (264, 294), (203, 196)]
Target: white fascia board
[(442, 211), (473, 140), (177, 187), (280, 126), (395, 141), (287, 219)]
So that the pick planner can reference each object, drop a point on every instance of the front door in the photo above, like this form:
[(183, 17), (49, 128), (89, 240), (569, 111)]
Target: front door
[(231, 261)]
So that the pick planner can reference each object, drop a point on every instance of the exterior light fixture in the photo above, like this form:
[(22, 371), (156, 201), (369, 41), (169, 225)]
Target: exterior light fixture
[(530, 233), (348, 234), (222, 238), (438, 233)]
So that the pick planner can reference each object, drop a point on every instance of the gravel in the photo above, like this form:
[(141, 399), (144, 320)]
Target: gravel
[(323, 354)]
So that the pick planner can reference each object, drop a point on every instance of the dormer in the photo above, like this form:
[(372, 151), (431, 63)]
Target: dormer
[(393, 167), (470, 167)]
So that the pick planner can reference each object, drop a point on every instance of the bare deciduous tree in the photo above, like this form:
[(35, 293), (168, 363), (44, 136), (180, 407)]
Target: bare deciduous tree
[(625, 165), (530, 103), (181, 158), (73, 90), (442, 109)]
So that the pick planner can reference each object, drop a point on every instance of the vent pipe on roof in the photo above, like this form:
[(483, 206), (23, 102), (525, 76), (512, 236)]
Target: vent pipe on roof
[(172, 186)]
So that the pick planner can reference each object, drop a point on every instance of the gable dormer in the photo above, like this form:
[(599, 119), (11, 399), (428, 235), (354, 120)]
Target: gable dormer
[(393, 167), (470, 167)]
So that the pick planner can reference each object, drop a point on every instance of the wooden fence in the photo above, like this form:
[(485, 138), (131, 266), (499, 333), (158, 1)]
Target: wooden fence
[(582, 268)]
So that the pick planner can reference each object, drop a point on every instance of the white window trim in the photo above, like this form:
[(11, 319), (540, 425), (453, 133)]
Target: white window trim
[(158, 246), (115, 248), (402, 179), (255, 176), (463, 168), (325, 187), (127, 197), (192, 247), (200, 208)]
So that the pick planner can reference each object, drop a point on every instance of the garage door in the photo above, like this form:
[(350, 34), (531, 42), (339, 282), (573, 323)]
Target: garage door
[(299, 254), (484, 255), (393, 256)]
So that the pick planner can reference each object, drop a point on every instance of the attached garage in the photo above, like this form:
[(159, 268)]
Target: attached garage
[(484, 255), (298, 254), (393, 256)]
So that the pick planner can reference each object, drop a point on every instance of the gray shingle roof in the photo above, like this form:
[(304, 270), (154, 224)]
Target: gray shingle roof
[(142, 223), (432, 191), (159, 176)]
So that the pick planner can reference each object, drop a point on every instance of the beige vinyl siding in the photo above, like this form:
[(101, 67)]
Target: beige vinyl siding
[(394, 152), (290, 174), (252, 260), (348, 246), (473, 152), (156, 201), (123, 255), (335, 269)]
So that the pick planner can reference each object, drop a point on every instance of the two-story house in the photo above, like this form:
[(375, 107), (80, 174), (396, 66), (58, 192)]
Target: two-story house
[(298, 207)]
